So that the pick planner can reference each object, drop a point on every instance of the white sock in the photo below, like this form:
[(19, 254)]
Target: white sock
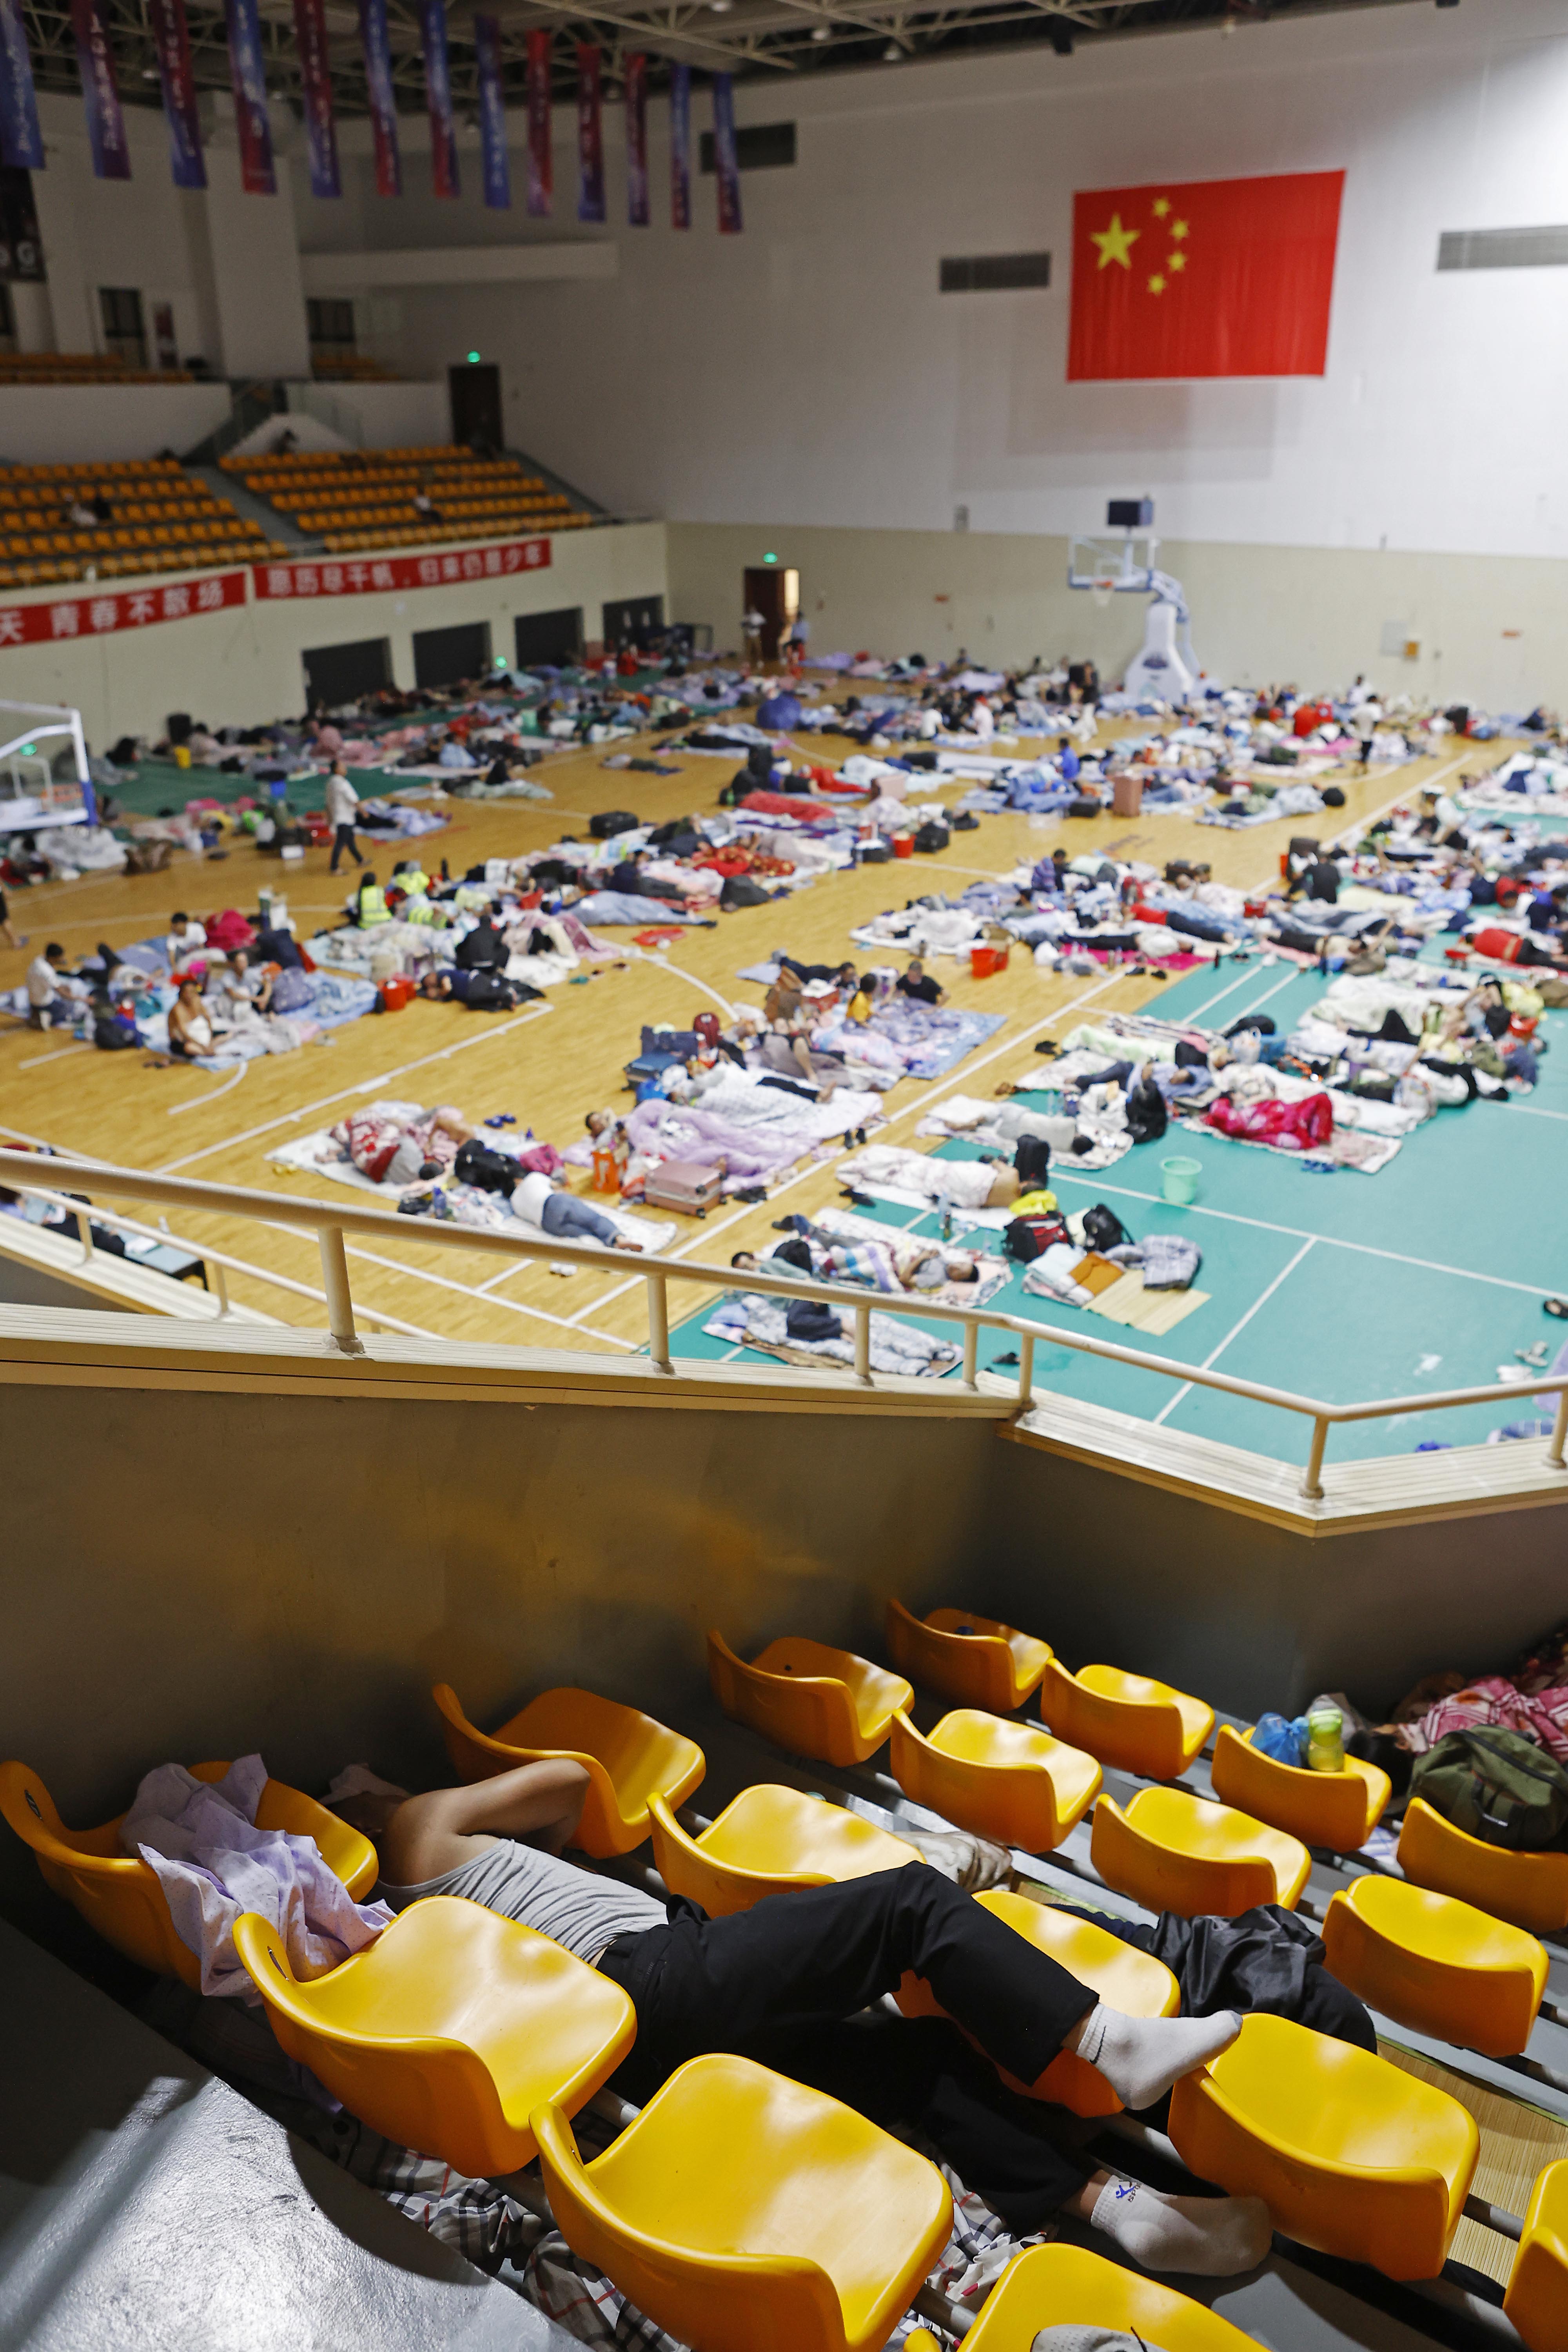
[(1140, 2057), (1214, 2237)]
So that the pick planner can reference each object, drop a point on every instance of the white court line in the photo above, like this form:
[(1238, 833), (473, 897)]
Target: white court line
[(292, 1118), (200, 1102), (1533, 1110), (36, 1061), (1299, 1232), (1237, 1328)]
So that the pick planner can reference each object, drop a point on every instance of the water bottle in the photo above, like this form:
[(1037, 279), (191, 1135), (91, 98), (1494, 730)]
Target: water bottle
[(1325, 1740)]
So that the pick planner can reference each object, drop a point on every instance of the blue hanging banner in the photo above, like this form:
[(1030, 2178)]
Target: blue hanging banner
[(172, 39), (21, 141), (680, 146), (590, 134), (493, 113), (636, 141), (99, 91), (316, 91), (377, 47), (247, 72), (438, 99), (726, 163)]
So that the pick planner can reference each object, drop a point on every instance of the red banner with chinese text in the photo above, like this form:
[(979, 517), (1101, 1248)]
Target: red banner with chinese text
[(365, 575), (102, 613)]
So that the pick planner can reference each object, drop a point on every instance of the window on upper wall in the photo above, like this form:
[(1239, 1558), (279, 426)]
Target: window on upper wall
[(124, 333), (994, 273), (759, 147), (331, 324)]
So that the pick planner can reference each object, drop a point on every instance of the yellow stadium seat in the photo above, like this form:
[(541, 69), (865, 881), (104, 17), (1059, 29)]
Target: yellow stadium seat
[(1067, 2286), (626, 1756), (1436, 1964), (812, 1700), (972, 1659), (120, 1897), (1010, 1781), (1124, 1977), (1127, 1720), (450, 2030), (1336, 1809), (746, 2213), (769, 1840), (1537, 2296), (1176, 1851), (1529, 1890), (1351, 2154)]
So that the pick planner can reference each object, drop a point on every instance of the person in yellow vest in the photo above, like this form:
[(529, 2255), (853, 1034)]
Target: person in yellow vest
[(371, 904)]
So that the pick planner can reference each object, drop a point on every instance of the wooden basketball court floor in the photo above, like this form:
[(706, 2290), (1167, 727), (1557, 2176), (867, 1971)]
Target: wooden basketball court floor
[(551, 1062)]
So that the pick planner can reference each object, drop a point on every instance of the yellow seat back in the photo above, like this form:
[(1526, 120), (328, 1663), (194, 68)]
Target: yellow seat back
[(119, 1895), (1537, 2297), (747, 2213), (1187, 1855), (1530, 1890), (1057, 2287), (626, 1754), (1010, 1781), (814, 1701), (976, 1660), (1128, 1721), (1336, 1809), (448, 2030), (721, 1887), (767, 1841), (1436, 1964)]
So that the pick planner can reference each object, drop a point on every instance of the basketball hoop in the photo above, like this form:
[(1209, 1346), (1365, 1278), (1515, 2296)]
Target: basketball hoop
[(1102, 589)]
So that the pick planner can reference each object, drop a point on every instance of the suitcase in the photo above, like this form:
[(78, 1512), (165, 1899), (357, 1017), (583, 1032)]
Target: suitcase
[(683, 1184), (609, 822)]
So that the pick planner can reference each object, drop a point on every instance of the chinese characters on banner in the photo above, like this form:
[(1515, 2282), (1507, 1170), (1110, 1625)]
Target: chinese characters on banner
[(21, 141), (680, 146), (248, 71), (590, 135), (316, 89), (493, 113), (366, 576), (438, 99), (726, 163), (636, 141), (172, 39), (99, 91), (541, 162), (133, 608), (376, 42)]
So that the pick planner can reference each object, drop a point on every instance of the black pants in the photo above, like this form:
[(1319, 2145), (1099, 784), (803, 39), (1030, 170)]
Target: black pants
[(785, 1983), (343, 838)]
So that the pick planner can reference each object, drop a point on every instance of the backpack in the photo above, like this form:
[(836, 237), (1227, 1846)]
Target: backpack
[(1104, 1229), (610, 822), (480, 1164), (1027, 1238), (740, 890), (1032, 1158), (1495, 1785), (931, 836)]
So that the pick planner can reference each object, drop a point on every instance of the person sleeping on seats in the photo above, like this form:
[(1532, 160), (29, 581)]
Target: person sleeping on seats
[(797, 1983)]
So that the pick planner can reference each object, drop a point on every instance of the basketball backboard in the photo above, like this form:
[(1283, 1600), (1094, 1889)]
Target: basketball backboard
[(1107, 564)]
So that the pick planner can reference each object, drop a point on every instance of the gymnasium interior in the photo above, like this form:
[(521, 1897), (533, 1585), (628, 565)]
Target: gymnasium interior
[(985, 1759)]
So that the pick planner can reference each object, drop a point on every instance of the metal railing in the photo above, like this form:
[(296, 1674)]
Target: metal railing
[(22, 1171)]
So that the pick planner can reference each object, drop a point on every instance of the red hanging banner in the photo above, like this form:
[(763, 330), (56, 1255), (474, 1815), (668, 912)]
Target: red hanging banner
[(364, 576), (636, 141), (541, 163), (590, 135), (135, 608), (1204, 278)]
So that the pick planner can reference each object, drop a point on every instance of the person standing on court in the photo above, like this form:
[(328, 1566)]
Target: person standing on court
[(753, 624), (343, 801)]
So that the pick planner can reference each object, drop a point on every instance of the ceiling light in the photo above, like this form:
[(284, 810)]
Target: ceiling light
[(891, 54), (822, 32), (720, 7)]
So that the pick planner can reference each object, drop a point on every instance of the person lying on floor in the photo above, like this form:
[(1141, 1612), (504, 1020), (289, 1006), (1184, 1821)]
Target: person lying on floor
[(561, 1215), (900, 1262), (790, 1982)]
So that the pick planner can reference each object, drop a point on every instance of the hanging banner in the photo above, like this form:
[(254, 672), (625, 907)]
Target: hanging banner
[(680, 146), (590, 135), (541, 162), (99, 91), (99, 617), (725, 161), (493, 113), (21, 141), (379, 94), (382, 572), (439, 99), (316, 92), (172, 39), (636, 141), (248, 71)]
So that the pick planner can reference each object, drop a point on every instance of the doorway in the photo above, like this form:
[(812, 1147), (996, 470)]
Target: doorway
[(475, 392), (451, 657), (553, 638), (635, 620), (774, 593), (338, 674)]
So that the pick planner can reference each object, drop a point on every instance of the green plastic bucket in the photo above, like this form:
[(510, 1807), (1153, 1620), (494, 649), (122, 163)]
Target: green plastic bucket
[(1179, 1180)]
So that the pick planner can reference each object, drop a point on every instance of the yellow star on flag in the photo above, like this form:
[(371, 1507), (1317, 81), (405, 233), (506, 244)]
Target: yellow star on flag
[(1157, 284), (1178, 228), (1177, 261), (1116, 243), (1161, 207)]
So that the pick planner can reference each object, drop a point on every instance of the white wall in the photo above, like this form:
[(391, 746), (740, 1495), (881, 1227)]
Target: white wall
[(810, 371), (64, 424), (242, 666)]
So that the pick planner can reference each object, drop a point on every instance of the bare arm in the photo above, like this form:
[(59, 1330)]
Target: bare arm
[(540, 1803)]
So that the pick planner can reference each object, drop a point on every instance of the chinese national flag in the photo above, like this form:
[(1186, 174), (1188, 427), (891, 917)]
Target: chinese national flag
[(1215, 278)]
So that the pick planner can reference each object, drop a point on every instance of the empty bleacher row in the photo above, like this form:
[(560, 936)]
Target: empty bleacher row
[(81, 368), (145, 516), (472, 2038), (366, 499)]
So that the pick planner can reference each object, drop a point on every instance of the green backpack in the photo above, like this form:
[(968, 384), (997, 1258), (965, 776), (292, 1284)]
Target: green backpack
[(1495, 1785)]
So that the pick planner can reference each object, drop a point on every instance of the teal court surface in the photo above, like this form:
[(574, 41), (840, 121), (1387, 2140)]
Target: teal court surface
[(1343, 1287)]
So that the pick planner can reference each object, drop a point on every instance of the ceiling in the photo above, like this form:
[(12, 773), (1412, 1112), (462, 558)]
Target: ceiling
[(767, 41)]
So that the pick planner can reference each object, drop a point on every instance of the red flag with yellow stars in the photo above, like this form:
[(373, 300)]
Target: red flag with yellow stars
[(1209, 277)]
